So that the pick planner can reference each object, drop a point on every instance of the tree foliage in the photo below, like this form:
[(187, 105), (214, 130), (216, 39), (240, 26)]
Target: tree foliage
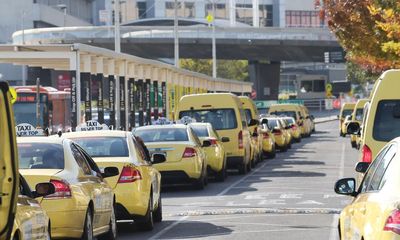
[(229, 69), (369, 30)]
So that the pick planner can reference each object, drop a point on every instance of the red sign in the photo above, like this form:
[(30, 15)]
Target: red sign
[(253, 94), (63, 81)]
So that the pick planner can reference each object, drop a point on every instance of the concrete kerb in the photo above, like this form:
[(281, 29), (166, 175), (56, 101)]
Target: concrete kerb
[(325, 119), (255, 211)]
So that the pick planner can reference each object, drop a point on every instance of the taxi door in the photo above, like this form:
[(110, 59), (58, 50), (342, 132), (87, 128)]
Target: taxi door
[(95, 187), (9, 181)]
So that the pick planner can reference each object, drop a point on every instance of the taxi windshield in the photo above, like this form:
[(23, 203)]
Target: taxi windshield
[(163, 135), (285, 113), (104, 146), (346, 112), (359, 114), (220, 119), (40, 156)]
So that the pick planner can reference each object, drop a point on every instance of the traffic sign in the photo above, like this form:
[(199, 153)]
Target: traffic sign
[(210, 18)]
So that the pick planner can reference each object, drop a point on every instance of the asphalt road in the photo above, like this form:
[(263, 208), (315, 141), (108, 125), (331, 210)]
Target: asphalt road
[(289, 197)]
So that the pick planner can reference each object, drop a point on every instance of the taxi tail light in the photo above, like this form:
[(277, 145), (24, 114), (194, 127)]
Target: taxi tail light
[(129, 174), (213, 141), (366, 154), (240, 137), (265, 135), (189, 152), (294, 127), (393, 222), (62, 189), (278, 132)]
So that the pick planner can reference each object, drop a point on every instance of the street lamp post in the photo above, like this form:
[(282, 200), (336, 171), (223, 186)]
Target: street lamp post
[(117, 39), (214, 48), (64, 8), (176, 38)]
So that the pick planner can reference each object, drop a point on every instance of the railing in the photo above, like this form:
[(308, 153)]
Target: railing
[(315, 104)]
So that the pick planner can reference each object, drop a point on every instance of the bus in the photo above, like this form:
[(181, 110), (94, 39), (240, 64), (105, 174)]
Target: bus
[(54, 107)]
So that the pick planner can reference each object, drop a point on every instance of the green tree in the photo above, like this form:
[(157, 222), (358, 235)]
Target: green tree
[(229, 69)]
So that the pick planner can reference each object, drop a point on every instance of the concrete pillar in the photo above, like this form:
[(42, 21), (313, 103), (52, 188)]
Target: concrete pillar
[(200, 7), (151, 8), (265, 77), (232, 12), (159, 9), (256, 13), (279, 13)]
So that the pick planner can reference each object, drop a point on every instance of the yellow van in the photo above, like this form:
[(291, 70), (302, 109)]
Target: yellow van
[(357, 115), (251, 112), (225, 112), (347, 109), (382, 122), (297, 112), (308, 119), (9, 181)]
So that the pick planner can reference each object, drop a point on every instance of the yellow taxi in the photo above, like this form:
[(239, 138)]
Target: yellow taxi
[(186, 160), (268, 142), (9, 181), (31, 222), (382, 116), (374, 212), (225, 113), (295, 131), (299, 113), (216, 158), (82, 205), (137, 187), (286, 131), (274, 123), (357, 116), (346, 110), (251, 112), (308, 117)]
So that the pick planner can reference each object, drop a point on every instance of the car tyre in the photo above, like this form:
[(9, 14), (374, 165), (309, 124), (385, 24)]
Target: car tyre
[(157, 215), (242, 168), (199, 184), (221, 175), (112, 232), (353, 144), (88, 226), (147, 224)]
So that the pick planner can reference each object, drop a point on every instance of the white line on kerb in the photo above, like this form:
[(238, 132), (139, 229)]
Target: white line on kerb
[(334, 231), (241, 180), (165, 230)]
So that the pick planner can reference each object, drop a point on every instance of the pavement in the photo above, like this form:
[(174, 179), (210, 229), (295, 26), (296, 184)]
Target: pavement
[(289, 197)]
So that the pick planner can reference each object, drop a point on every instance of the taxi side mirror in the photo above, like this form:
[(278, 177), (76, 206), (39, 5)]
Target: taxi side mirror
[(110, 172), (43, 189), (362, 167), (225, 139), (264, 121), (253, 122), (312, 117), (346, 186), (353, 128), (206, 143), (158, 158)]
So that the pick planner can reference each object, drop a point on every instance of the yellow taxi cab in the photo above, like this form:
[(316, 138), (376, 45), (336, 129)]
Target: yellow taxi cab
[(357, 116), (297, 112), (346, 110), (268, 142), (186, 160), (251, 112), (82, 205), (9, 180), (31, 221), (216, 158), (225, 113), (280, 137), (295, 131), (374, 212), (137, 187), (382, 122), (308, 117)]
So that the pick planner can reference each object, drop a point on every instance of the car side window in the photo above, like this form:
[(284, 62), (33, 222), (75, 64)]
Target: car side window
[(377, 178), (195, 137), (80, 159), (141, 149), (371, 170), (92, 164)]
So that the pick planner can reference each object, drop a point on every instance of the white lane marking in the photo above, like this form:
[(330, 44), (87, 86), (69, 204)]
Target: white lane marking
[(272, 201), (241, 180), (291, 195), (165, 230), (311, 202), (255, 197), (233, 204), (334, 231)]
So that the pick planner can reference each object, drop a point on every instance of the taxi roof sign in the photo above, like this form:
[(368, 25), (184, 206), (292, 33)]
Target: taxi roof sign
[(162, 121), (186, 120), (26, 130), (91, 125)]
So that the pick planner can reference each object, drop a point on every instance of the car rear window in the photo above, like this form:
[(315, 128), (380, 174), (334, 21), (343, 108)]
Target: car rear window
[(104, 146), (220, 119), (387, 120), (201, 131), (285, 113), (290, 120), (272, 123), (40, 156), (163, 134), (248, 115)]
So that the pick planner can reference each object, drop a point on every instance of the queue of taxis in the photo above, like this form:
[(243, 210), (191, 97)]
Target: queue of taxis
[(374, 212)]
